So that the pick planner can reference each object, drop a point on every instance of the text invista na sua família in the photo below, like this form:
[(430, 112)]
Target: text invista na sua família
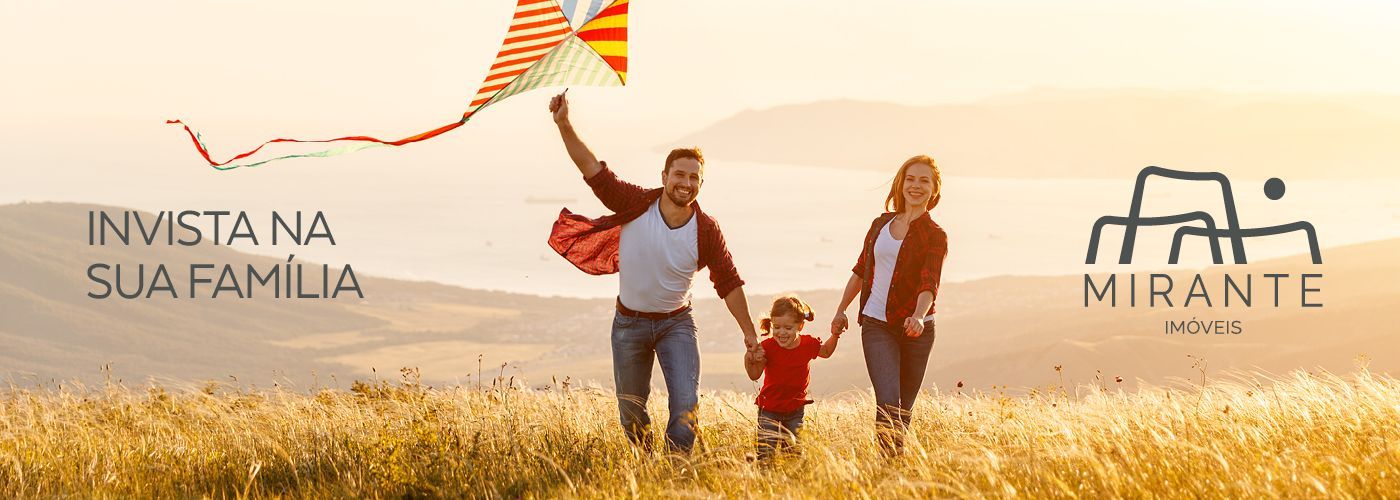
[(169, 228)]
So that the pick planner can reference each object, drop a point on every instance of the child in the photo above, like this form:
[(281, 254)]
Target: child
[(786, 358)]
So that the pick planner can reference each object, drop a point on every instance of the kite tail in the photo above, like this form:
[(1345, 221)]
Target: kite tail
[(365, 143)]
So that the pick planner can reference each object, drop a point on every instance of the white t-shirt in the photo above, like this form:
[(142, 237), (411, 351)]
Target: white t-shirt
[(886, 252), (657, 264)]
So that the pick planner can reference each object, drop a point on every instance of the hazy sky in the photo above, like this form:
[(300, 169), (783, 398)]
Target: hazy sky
[(245, 69)]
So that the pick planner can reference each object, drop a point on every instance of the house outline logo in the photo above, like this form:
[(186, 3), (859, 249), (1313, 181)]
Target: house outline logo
[(1273, 189)]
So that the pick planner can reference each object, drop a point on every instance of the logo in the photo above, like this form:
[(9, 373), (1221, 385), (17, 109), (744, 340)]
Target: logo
[(1273, 189), (1160, 287)]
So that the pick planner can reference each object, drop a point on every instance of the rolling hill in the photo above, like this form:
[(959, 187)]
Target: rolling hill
[(1004, 331)]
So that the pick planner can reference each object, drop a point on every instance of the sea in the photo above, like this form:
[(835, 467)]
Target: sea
[(789, 227)]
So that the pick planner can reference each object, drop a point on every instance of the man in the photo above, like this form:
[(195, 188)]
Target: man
[(656, 240)]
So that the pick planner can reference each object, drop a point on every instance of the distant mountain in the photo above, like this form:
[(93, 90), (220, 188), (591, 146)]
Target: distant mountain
[(1078, 133), (1005, 331)]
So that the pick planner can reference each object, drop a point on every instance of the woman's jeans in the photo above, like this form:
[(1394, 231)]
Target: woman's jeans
[(637, 343), (777, 431), (896, 363)]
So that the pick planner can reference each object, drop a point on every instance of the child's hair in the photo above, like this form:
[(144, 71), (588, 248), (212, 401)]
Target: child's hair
[(782, 306)]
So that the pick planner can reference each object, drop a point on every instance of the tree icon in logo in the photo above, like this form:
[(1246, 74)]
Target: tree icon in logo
[(1273, 189)]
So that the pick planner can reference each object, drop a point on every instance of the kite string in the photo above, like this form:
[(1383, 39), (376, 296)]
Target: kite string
[(223, 165)]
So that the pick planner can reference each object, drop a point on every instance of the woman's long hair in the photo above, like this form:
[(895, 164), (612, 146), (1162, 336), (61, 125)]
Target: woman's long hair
[(895, 201)]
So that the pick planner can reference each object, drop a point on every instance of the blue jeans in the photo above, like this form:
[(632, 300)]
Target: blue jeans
[(896, 363), (636, 342), (777, 431)]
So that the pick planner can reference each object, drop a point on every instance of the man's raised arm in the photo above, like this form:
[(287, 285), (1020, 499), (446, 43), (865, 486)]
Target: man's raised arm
[(578, 151)]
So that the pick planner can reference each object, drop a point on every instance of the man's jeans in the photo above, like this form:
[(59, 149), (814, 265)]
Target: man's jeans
[(635, 343), (896, 363), (777, 431)]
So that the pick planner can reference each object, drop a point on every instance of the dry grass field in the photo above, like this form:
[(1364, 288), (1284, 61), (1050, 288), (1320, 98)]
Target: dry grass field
[(1301, 434)]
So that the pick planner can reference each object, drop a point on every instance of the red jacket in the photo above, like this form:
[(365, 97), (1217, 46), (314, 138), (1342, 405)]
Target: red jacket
[(592, 244), (918, 267)]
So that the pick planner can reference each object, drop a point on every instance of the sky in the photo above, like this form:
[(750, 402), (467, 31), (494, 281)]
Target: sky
[(249, 68)]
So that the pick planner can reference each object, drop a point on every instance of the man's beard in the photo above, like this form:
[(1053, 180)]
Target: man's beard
[(677, 199)]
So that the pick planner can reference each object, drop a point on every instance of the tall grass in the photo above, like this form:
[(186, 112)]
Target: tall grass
[(1300, 434)]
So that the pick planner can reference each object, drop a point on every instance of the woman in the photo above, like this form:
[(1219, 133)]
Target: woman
[(897, 276)]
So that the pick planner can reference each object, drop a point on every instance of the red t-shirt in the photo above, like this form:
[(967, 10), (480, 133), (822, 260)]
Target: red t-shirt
[(787, 373)]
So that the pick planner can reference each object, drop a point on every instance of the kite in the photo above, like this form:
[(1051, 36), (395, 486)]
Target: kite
[(540, 49)]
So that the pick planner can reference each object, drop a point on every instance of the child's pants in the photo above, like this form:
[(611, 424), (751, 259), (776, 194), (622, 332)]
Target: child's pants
[(777, 431)]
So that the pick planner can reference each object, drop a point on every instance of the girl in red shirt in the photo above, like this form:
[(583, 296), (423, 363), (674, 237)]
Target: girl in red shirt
[(786, 359)]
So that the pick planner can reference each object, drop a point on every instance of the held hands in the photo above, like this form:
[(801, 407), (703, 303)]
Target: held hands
[(755, 355), (754, 350), (839, 323), (559, 107), (913, 327)]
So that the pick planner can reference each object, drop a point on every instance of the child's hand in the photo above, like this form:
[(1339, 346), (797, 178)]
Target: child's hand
[(755, 362)]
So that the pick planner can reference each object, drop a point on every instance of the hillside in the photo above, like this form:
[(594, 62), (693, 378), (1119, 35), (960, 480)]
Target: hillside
[(1015, 330), (1061, 133), (999, 331), (53, 331)]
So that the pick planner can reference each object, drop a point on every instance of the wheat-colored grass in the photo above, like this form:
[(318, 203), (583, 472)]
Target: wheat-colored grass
[(1298, 435)]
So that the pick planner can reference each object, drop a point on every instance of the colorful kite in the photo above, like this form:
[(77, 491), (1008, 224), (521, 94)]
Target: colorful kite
[(541, 49)]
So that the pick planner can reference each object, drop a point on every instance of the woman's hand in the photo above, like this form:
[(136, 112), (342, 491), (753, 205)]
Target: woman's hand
[(839, 323), (913, 327)]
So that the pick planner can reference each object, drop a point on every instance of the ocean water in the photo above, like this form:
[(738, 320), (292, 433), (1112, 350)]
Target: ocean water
[(789, 227)]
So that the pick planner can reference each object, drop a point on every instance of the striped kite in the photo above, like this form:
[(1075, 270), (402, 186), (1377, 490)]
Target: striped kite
[(540, 49)]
